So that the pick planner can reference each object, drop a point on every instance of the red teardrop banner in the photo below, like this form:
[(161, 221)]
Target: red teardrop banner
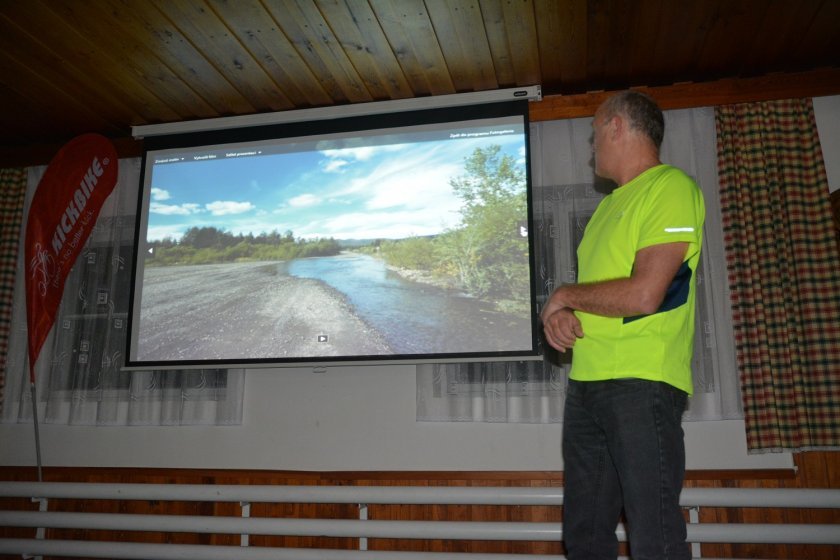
[(62, 214)]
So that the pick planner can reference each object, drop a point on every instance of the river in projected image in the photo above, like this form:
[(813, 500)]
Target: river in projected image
[(322, 307), (414, 317)]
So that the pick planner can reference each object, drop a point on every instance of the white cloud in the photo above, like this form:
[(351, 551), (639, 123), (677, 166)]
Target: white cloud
[(371, 225), (226, 207), (160, 194), (304, 200), (431, 189), (340, 158), (161, 232), (335, 165), (362, 153), (174, 209), (418, 179)]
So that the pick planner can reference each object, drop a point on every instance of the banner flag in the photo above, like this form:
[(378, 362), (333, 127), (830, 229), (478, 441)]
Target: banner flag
[(62, 214)]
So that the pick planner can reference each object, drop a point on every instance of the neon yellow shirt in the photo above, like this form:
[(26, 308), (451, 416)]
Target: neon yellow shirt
[(662, 205)]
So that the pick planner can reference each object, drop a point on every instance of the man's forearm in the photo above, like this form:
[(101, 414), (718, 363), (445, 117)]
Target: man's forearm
[(610, 298), (639, 294)]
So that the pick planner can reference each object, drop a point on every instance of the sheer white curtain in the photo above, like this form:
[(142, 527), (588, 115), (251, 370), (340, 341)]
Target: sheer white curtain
[(79, 377), (566, 193)]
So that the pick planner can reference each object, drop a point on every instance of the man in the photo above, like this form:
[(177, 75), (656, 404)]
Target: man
[(630, 320)]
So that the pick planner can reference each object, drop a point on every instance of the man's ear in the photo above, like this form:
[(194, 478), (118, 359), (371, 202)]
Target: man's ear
[(616, 126)]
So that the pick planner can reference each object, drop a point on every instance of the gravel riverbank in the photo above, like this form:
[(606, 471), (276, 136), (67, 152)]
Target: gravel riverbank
[(247, 311)]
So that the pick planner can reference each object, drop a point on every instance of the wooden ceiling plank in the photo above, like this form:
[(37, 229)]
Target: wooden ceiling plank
[(256, 28), (521, 30), (36, 72), (459, 28), (500, 44), (133, 55), (410, 33), (330, 51), (71, 52), (812, 39), (597, 44), (201, 26), (316, 45), (177, 52), (362, 39), (35, 122), (647, 23), (820, 44), (680, 36), (779, 29), (730, 39), (511, 31), (562, 39), (619, 36), (64, 105)]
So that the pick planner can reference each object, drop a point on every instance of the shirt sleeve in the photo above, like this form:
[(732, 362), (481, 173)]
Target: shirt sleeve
[(674, 212)]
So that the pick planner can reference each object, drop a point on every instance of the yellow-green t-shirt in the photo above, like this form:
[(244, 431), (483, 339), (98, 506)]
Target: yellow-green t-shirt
[(662, 205)]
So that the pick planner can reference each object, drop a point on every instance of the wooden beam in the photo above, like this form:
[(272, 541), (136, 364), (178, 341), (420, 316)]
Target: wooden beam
[(815, 83)]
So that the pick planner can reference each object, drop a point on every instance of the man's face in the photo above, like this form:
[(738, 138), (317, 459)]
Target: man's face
[(601, 143)]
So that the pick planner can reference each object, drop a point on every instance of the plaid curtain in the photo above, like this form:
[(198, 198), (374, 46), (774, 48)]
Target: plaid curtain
[(782, 257), (12, 191)]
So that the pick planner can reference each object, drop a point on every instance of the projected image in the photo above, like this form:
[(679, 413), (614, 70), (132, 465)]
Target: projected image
[(383, 245)]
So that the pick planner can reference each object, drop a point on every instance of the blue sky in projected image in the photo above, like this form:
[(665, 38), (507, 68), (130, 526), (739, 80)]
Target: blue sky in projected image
[(391, 191)]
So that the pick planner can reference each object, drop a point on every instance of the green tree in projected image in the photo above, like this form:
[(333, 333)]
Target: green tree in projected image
[(485, 256), (209, 245)]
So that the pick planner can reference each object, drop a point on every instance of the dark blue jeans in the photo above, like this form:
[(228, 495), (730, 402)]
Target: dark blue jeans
[(623, 449)]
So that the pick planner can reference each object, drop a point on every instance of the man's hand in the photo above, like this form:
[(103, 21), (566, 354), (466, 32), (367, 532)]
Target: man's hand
[(639, 294), (562, 328)]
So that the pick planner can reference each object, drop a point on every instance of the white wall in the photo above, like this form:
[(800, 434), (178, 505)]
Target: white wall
[(827, 112), (362, 419), (343, 419)]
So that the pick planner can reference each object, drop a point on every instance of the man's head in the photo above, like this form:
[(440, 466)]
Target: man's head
[(641, 112), (628, 127)]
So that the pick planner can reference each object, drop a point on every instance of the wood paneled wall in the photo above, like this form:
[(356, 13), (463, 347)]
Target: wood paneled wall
[(813, 470)]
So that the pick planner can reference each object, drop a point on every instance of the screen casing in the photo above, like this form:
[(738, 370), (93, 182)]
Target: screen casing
[(332, 242)]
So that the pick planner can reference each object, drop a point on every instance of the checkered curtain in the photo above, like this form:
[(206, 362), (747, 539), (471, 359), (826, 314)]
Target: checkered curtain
[(12, 191), (782, 258)]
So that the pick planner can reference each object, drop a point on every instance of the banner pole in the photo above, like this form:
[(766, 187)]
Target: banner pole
[(62, 214), (34, 393)]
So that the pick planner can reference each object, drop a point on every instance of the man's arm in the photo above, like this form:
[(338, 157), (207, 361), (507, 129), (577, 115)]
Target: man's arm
[(640, 294)]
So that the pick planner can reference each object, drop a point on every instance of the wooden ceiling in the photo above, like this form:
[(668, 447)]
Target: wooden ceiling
[(74, 66)]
